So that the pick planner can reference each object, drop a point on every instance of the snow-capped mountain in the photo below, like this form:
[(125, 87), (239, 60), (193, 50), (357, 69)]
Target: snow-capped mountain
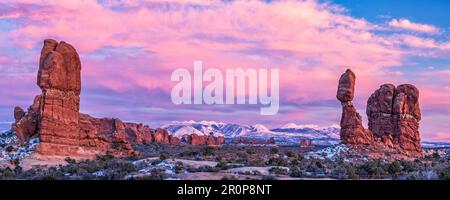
[(287, 134), (191, 127), (309, 131)]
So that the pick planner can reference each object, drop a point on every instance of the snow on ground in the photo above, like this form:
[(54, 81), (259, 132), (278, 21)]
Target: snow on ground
[(253, 170), (11, 149), (332, 153)]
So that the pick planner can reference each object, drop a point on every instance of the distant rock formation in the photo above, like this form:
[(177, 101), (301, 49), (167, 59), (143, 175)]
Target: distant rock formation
[(306, 143), (194, 139), (55, 115), (393, 114)]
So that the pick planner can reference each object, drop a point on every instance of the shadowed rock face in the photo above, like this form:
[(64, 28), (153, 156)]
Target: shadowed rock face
[(393, 114), (55, 115)]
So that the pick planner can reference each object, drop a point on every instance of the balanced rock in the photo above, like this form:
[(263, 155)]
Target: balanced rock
[(393, 115), (352, 131)]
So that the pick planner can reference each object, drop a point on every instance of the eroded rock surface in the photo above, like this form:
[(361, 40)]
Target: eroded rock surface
[(63, 130), (393, 115)]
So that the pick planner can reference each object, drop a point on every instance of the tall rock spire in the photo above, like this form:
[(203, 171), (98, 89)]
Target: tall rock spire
[(352, 130)]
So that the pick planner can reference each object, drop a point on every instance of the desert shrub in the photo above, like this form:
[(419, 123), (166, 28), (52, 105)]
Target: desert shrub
[(155, 162), (295, 162), (222, 165), (350, 172), (319, 165), (278, 170), (9, 149), (274, 150), (179, 167), (188, 154), (250, 151), (219, 158), (394, 168), (208, 151), (411, 166), (258, 162), (164, 156), (70, 161), (278, 162), (7, 173), (372, 168), (156, 174), (445, 174), (301, 157), (295, 172), (290, 154), (243, 157)]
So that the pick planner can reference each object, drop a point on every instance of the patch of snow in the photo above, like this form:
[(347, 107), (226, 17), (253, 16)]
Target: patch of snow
[(331, 153), (295, 126), (100, 173), (11, 149)]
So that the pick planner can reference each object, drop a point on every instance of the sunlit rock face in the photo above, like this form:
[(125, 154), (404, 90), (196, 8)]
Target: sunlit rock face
[(63, 130), (393, 115)]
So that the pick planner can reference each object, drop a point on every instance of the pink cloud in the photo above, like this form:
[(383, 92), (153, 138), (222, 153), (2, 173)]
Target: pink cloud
[(405, 24), (312, 44)]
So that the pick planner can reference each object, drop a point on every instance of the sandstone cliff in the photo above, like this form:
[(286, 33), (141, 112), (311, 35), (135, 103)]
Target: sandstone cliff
[(62, 129)]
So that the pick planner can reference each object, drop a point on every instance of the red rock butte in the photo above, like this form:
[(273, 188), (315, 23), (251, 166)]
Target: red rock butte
[(63, 130), (393, 115)]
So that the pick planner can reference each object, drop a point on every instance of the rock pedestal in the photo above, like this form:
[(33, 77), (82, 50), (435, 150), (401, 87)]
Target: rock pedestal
[(352, 130)]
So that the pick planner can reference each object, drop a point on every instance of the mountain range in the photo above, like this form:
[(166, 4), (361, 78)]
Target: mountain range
[(289, 134)]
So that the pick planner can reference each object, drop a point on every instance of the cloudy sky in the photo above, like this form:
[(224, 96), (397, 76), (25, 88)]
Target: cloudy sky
[(129, 48)]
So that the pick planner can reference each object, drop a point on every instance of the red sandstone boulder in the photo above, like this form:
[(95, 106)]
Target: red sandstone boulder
[(393, 115), (18, 113), (220, 140), (161, 136), (346, 87), (26, 124), (174, 140), (210, 141), (198, 139), (306, 143)]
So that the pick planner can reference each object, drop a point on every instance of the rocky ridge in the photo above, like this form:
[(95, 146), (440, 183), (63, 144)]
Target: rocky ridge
[(63, 130)]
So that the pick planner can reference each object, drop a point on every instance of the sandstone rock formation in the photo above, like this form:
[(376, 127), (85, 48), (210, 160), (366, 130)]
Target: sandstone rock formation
[(352, 130), (62, 129), (393, 115), (196, 140), (306, 143)]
